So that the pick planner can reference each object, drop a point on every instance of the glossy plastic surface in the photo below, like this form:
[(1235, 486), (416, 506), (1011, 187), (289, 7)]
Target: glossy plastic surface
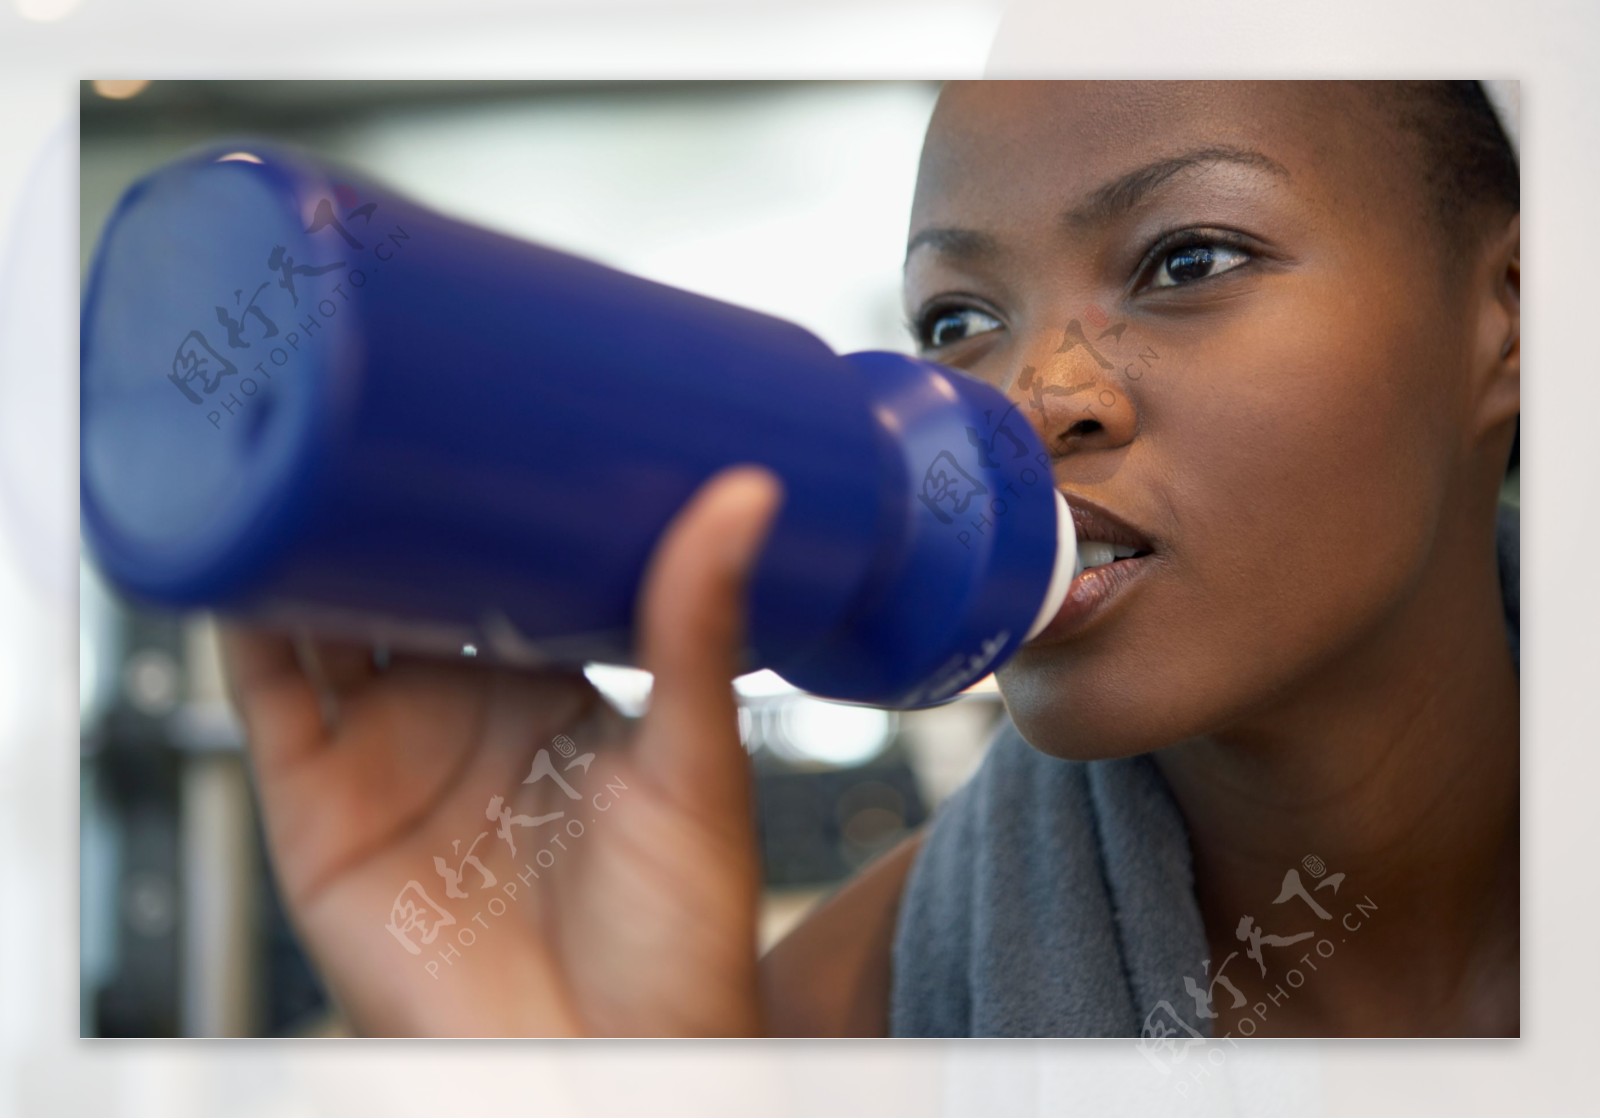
[(308, 400)]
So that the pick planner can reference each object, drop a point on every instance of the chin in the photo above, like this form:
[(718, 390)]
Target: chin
[(1069, 718)]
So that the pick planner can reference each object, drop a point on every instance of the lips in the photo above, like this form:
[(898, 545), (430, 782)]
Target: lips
[(1096, 524), (1115, 557)]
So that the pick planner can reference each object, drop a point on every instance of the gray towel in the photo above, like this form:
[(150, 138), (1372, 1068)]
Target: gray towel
[(1056, 899)]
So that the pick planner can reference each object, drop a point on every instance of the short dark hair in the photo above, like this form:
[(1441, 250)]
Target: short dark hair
[(1469, 168), (1468, 165)]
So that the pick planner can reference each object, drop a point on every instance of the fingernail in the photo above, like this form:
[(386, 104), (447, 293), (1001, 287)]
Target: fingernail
[(757, 488)]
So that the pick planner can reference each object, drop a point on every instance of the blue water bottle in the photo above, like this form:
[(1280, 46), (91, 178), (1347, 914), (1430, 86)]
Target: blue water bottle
[(309, 401)]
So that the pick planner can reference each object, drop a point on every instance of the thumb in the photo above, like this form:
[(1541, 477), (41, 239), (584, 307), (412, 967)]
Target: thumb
[(692, 631)]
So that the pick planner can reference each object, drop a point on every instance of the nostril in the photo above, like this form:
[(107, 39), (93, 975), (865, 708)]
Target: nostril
[(1083, 428)]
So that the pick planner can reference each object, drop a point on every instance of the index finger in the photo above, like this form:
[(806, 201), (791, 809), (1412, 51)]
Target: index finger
[(276, 699)]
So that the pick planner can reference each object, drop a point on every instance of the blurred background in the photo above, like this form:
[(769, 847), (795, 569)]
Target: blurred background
[(791, 198)]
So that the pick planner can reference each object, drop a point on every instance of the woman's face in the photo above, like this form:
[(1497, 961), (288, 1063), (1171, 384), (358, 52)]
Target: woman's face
[(1284, 417)]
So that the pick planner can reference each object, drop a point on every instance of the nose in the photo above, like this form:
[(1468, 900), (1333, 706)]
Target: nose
[(1076, 396)]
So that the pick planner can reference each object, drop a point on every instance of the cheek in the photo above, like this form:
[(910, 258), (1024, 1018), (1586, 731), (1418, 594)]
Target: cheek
[(1306, 480), (1313, 452), (1299, 483)]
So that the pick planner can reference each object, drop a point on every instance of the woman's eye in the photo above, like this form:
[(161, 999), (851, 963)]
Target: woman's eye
[(1188, 263), (943, 328)]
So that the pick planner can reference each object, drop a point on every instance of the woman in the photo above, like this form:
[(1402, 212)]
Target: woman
[(1270, 333)]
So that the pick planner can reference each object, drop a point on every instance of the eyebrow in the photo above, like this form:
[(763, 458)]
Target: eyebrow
[(1105, 203)]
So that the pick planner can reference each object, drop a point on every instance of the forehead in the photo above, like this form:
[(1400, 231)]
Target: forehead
[(1008, 149)]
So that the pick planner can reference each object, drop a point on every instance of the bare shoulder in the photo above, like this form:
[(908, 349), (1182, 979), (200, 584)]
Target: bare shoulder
[(829, 977)]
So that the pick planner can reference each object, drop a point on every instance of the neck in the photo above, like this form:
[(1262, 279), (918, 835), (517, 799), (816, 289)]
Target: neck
[(1397, 768)]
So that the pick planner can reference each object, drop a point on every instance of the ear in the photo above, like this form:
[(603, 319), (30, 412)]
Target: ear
[(1497, 353)]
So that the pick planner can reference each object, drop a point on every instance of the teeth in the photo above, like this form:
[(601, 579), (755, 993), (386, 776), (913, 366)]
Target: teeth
[(1094, 553)]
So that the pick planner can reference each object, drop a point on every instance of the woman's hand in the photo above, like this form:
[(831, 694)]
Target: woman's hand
[(629, 906)]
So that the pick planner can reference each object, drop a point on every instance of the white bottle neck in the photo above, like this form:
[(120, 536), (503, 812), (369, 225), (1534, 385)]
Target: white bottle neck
[(1066, 568)]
